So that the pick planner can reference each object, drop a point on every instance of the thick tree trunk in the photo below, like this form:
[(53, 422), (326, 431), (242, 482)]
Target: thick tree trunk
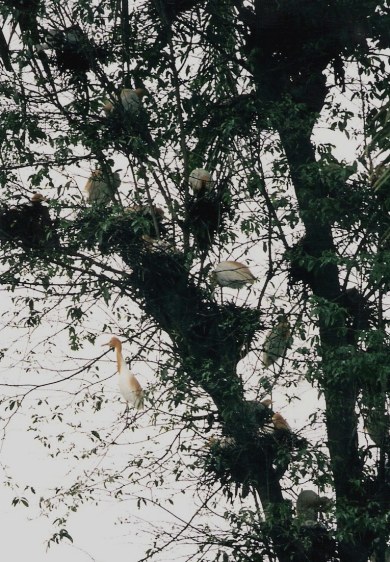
[(340, 393)]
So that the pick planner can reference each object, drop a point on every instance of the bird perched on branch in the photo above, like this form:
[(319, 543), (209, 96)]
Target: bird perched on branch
[(277, 341), (309, 504), (200, 180), (129, 386), (38, 221), (129, 99), (127, 118), (155, 245), (101, 187), (232, 274), (224, 442), (279, 422)]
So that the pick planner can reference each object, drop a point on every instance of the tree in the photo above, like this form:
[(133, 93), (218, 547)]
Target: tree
[(242, 90)]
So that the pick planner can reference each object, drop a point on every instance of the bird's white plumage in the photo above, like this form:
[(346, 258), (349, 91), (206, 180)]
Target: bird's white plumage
[(99, 190), (200, 179), (129, 386), (130, 100), (232, 274)]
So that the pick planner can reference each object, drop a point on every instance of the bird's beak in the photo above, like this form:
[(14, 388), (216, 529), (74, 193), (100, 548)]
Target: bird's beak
[(104, 344)]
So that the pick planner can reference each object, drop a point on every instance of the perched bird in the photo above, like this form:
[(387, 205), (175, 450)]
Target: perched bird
[(309, 504), (146, 210), (200, 180), (101, 188), (129, 99), (129, 386), (232, 274), (37, 221), (128, 121), (279, 422), (277, 341)]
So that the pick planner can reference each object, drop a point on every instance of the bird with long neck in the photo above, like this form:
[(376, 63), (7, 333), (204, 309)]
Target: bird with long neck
[(129, 386)]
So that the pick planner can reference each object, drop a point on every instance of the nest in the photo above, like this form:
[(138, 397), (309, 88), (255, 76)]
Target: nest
[(29, 225)]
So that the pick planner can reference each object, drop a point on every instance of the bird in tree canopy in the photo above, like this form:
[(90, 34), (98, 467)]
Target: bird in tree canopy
[(232, 274), (37, 198), (223, 443), (277, 341), (200, 180), (279, 422), (147, 220), (309, 504), (129, 386), (129, 120), (101, 188), (129, 99)]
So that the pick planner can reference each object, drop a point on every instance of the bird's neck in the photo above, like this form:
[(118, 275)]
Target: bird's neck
[(119, 358)]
